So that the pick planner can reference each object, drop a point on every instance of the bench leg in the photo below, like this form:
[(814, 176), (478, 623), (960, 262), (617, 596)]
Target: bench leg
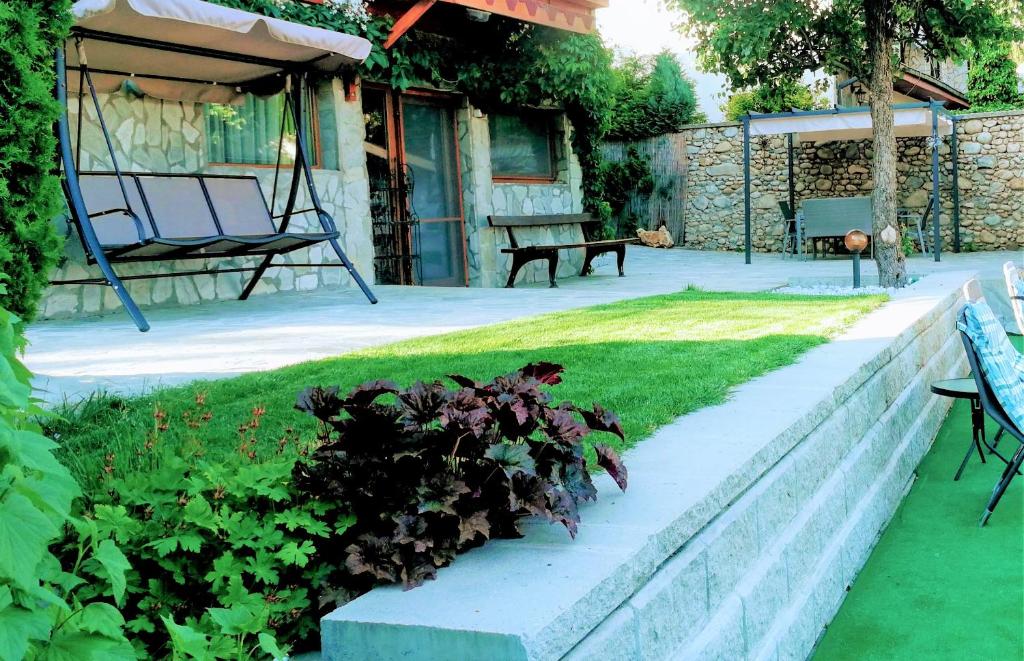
[(620, 254), (591, 254), (553, 268), (518, 261)]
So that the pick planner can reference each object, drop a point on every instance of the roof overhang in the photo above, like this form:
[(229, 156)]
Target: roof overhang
[(923, 87), (190, 50), (848, 123), (573, 15)]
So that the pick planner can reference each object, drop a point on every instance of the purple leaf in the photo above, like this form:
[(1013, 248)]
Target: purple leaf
[(546, 373), (608, 459), (512, 459), (364, 395), (601, 420), (321, 403)]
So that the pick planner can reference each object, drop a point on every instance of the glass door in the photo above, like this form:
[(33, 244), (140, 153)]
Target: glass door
[(430, 155)]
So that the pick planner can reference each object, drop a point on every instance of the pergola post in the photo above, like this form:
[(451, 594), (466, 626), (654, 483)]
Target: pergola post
[(954, 148), (748, 245), (792, 181), (936, 202)]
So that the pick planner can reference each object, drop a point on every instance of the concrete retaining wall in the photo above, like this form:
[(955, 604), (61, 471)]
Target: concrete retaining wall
[(743, 525)]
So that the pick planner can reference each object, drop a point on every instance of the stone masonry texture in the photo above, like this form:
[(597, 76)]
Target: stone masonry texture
[(991, 160)]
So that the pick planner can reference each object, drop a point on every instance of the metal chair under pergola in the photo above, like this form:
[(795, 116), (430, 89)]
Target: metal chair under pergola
[(196, 52), (926, 119)]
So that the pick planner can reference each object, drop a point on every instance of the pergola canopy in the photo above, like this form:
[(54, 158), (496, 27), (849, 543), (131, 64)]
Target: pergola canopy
[(929, 119), (190, 50), (846, 124)]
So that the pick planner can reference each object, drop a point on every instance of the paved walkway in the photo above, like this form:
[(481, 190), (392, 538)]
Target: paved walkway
[(73, 358)]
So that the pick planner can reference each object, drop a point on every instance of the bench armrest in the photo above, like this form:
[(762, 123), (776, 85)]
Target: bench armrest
[(139, 229)]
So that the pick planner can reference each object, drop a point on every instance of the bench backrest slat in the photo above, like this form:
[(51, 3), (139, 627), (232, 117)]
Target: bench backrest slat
[(836, 216), (535, 221)]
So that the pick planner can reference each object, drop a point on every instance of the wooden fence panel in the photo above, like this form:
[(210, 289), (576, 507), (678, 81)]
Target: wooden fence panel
[(666, 155)]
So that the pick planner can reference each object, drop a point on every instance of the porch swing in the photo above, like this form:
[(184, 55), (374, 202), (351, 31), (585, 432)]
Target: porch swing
[(162, 48)]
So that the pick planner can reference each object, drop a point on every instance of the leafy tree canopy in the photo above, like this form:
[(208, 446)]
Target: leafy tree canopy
[(652, 96), (993, 83), (757, 42), (772, 98)]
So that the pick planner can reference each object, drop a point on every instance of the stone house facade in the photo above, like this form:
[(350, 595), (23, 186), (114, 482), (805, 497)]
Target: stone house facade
[(150, 135)]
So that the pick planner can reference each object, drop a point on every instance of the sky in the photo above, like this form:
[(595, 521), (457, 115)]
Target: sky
[(642, 27)]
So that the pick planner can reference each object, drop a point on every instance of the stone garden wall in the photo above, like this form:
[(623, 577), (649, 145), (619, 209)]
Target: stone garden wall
[(991, 182), (160, 136)]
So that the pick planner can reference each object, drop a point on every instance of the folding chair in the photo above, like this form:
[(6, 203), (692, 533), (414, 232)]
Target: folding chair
[(997, 413)]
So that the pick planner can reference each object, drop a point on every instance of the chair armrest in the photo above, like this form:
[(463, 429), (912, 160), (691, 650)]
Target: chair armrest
[(131, 214)]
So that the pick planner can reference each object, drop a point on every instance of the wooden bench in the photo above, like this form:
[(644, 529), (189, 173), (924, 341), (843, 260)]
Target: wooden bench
[(522, 255)]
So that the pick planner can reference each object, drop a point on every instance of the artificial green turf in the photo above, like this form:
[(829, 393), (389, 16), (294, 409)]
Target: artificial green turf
[(648, 359), (937, 586)]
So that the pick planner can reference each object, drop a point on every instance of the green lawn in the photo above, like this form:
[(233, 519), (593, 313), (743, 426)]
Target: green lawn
[(649, 359), (937, 586)]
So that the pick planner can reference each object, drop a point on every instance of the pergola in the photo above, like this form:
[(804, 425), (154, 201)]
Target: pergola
[(926, 119)]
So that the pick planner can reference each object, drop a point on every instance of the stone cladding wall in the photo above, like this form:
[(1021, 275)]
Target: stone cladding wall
[(991, 163)]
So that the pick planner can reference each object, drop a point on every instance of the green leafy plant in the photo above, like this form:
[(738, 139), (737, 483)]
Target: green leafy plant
[(652, 97), (221, 551), (435, 471), (30, 31), (992, 82), (783, 97), (49, 610), (618, 181)]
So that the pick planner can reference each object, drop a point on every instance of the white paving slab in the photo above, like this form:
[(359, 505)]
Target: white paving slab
[(75, 357)]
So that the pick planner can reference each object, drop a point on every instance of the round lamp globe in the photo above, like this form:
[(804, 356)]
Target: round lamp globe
[(856, 241)]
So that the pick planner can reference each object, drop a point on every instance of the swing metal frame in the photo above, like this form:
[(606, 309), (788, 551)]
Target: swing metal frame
[(268, 247)]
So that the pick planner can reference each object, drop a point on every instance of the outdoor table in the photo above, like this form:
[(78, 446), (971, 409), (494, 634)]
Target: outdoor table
[(966, 388)]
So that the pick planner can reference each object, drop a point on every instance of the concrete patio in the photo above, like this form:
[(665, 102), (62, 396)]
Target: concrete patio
[(75, 357)]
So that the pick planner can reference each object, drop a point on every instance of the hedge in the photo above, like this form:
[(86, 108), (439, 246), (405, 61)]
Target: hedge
[(30, 194)]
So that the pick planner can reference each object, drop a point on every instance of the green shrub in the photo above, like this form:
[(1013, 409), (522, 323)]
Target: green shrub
[(652, 97), (30, 197), (781, 98), (992, 81), (618, 181), (221, 551), (46, 610)]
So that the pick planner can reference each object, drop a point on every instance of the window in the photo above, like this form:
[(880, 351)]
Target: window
[(248, 134), (522, 146)]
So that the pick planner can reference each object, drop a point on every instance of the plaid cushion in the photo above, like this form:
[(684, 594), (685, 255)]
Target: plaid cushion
[(1000, 363), (1017, 295)]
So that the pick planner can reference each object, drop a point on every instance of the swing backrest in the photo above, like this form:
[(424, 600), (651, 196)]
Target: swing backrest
[(102, 193), (176, 206), (240, 205)]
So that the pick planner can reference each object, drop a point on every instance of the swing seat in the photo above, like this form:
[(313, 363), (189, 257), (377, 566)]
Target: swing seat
[(195, 216)]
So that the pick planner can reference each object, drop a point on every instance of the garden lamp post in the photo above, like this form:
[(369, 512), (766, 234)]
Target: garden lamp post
[(855, 242)]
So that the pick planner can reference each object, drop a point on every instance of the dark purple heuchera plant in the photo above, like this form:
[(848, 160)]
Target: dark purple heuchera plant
[(432, 471)]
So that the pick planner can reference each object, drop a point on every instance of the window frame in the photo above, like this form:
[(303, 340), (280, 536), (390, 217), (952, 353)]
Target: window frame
[(550, 117), (312, 107)]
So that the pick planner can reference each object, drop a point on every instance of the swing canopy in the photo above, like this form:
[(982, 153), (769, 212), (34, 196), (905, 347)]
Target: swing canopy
[(206, 53), (196, 52)]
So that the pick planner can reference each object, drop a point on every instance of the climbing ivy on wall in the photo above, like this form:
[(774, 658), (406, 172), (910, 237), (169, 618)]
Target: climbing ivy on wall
[(30, 194), (502, 63)]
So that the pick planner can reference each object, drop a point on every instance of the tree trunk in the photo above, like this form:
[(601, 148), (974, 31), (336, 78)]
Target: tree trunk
[(892, 264)]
